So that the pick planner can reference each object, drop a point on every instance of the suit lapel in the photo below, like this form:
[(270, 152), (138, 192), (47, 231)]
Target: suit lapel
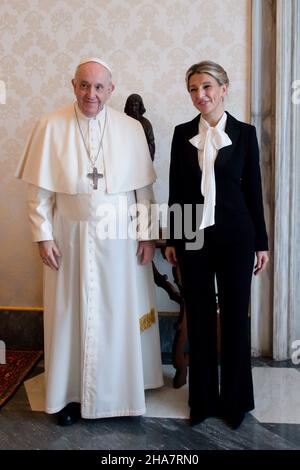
[(233, 131), (191, 131)]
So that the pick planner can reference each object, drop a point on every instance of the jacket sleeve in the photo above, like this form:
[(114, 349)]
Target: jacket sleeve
[(252, 188)]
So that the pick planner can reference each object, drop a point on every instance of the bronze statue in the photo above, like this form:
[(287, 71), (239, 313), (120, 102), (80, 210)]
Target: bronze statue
[(135, 108)]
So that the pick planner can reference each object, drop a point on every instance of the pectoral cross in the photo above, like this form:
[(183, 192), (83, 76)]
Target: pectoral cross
[(95, 176)]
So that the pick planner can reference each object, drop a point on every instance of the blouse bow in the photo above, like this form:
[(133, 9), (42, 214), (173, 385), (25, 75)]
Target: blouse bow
[(208, 142)]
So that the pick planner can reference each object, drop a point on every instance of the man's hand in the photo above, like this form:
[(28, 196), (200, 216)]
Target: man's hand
[(49, 253), (146, 251)]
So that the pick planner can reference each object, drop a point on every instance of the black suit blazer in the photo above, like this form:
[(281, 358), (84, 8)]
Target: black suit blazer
[(239, 204)]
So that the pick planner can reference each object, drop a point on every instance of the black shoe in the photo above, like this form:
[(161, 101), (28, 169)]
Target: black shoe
[(235, 420), (196, 417), (69, 415)]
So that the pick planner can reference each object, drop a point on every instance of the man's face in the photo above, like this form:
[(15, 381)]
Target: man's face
[(92, 87)]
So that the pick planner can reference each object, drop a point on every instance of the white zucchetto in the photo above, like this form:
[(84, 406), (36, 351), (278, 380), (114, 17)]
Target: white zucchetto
[(95, 59)]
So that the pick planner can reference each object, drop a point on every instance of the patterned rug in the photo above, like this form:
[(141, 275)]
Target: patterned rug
[(14, 371)]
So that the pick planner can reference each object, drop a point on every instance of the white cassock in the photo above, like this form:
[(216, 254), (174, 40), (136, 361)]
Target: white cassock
[(102, 344)]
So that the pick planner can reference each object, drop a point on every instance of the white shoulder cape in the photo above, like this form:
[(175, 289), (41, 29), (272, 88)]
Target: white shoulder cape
[(55, 157)]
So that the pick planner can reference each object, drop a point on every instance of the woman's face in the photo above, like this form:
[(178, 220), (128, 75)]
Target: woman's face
[(207, 95)]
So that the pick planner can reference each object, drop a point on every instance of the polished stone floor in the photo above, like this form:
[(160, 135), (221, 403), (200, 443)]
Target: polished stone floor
[(274, 424)]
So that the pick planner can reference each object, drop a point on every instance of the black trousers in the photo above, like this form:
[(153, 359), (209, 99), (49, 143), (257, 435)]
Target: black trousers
[(232, 266)]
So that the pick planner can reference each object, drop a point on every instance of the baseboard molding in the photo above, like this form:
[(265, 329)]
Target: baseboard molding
[(168, 314), (7, 308), (22, 328)]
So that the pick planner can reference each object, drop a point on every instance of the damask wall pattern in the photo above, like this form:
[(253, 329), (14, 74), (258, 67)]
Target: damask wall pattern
[(149, 45)]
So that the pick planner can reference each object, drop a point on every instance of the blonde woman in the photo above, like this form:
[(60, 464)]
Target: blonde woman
[(215, 167)]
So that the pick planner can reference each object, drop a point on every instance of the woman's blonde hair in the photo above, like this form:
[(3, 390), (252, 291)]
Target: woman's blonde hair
[(209, 67)]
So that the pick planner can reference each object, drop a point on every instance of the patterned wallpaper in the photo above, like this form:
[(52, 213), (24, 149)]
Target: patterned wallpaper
[(149, 45)]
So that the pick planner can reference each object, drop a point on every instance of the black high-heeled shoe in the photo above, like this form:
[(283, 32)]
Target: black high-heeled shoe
[(235, 420), (196, 418)]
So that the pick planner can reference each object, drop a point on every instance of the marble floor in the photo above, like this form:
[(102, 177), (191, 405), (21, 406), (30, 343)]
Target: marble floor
[(273, 425)]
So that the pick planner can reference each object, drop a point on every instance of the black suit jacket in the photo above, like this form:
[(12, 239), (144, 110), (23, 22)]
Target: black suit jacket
[(239, 205)]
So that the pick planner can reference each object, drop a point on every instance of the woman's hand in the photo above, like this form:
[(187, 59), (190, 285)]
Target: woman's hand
[(262, 260), (170, 254)]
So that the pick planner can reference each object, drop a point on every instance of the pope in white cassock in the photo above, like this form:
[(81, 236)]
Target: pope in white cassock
[(101, 329)]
